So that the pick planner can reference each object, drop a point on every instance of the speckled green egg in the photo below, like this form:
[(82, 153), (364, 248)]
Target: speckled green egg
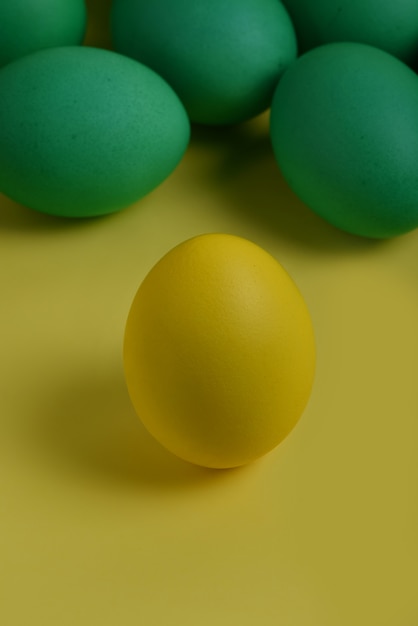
[(86, 131), (344, 129), (223, 58), (29, 25), (386, 24)]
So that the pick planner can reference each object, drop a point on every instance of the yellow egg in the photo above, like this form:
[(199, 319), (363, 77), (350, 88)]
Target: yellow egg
[(219, 351)]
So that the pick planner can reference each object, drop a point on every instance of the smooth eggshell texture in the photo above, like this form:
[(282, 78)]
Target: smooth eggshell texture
[(386, 24), (30, 25), (344, 128), (219, 351), (85, 131), (223, 58)]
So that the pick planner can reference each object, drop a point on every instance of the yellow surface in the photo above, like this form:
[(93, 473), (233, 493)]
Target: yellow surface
[(100, 526)]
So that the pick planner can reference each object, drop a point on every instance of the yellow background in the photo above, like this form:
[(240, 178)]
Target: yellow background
[(100, 526)]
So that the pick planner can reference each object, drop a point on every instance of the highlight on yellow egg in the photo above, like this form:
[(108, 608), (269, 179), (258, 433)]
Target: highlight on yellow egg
[(219, 351)]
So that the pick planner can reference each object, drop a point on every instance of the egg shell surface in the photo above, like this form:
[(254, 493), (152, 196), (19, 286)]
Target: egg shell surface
[(391, 26), (86, 131), (344, 128), (219, 351), (29, 25), (223, 58)]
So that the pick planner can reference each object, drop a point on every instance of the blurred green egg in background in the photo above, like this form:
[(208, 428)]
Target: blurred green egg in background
[(391, 26), (222, 58), (344, 128), (30, 25), (86, 131)]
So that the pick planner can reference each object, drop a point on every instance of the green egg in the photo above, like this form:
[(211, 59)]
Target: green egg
[(222, 57), (86, 131), (344, 129), (30, 25), (386, 24)]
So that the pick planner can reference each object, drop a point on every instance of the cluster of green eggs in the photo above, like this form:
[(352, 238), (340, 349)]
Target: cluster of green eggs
[(86, 131), (219, 349)]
